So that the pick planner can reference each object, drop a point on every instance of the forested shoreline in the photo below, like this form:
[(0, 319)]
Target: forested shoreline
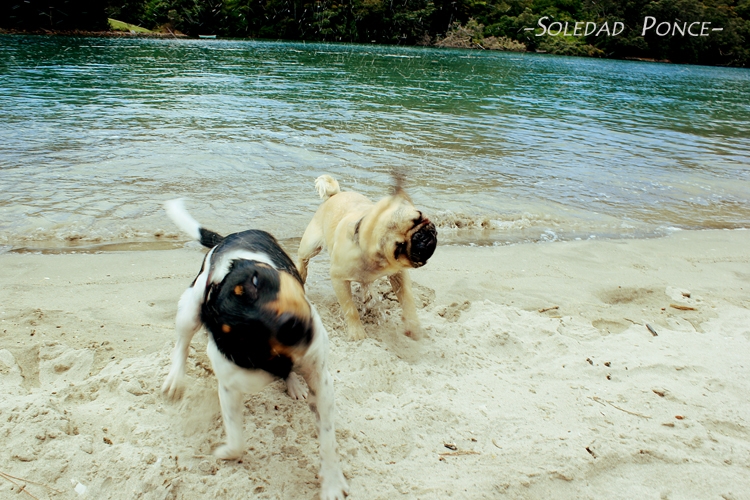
[(711, 32)]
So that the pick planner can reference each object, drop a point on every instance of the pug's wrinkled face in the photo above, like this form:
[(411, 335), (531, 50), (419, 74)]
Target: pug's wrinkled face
[(407, 237)]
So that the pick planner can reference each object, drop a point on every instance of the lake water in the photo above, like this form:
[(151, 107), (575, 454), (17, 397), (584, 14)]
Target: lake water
[(95, 133)]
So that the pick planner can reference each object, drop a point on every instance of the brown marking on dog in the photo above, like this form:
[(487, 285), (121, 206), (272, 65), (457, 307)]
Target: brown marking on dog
[(226, 328), (290, 299), (239, 290), (292, 352)]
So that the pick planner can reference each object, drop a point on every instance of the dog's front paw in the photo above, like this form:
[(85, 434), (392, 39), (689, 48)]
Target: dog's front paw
[(414, 330), (413, 334), (333, 485), (356, 332), (174, 386), (295, 387), (226, 452)]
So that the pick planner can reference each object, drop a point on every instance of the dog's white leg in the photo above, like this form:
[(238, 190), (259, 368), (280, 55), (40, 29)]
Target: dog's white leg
[(401, 284), (343, 290), (332, 482), (187, 322), (234, 382), (230, 397), (295, 387), (232, 414)]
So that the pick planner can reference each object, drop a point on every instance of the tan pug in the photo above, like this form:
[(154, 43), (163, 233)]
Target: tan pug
[(367, 241)]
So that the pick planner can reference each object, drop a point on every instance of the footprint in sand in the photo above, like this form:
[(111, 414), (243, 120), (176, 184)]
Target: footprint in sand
[(453, 311)]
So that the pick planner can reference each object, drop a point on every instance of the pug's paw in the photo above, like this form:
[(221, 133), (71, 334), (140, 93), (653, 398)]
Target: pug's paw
[(356, 332)]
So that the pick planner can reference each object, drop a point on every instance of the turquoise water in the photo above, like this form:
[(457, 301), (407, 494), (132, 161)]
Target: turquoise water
[(95, 133)]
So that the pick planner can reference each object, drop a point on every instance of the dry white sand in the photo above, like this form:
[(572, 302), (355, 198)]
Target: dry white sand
[(578, 401)]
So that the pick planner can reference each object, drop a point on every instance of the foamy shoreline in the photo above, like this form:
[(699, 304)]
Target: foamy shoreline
[(538, 368)]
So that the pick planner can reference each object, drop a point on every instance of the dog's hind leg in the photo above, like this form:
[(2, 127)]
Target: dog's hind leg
[(401, 284), (310, 246)]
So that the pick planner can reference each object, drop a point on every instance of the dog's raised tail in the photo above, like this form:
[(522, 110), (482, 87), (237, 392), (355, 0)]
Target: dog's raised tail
[(327, 186), (180, 216)]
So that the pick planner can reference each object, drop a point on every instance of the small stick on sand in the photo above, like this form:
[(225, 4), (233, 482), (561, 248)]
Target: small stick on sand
[(549, 309), (628, 411), (10, 478), (599, 400), (459, 452), (682, 308), (22, 487), (651, 329)]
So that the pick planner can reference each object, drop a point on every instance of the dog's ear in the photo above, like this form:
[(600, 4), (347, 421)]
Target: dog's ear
[(399, 180)]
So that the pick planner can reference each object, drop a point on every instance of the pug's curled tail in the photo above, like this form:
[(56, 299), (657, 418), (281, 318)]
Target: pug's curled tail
[(326, 186), (180, 216)]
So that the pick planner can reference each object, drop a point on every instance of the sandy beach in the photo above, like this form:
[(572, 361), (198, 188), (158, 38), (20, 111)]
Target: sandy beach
[(538, 379)]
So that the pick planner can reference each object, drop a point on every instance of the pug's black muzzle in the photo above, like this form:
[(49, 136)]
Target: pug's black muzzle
[(423, 243)]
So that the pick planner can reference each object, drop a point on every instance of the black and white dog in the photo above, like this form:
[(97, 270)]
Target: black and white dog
[(251, 300)]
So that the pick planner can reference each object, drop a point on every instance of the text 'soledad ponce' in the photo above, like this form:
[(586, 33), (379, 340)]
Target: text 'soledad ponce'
[(581, 28)]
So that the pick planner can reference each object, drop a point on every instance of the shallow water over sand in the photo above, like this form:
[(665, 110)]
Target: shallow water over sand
[(498, 147)]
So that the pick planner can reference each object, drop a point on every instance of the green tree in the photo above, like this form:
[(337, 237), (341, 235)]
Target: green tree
[(53, 15)]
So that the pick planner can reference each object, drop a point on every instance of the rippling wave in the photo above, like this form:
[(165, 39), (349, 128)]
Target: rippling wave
[(499, 147)]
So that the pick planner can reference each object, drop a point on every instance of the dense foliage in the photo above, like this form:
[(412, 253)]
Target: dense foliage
[(53, 15), (499, 24)]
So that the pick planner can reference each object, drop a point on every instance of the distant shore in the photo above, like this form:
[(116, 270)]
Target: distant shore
[(491, 43), (107, 34)]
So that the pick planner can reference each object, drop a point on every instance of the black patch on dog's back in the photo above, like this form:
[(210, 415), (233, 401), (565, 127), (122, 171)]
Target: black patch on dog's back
[(244, 331), (256, 240)]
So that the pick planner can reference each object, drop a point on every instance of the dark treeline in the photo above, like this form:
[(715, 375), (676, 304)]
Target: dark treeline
[(459, 23)]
